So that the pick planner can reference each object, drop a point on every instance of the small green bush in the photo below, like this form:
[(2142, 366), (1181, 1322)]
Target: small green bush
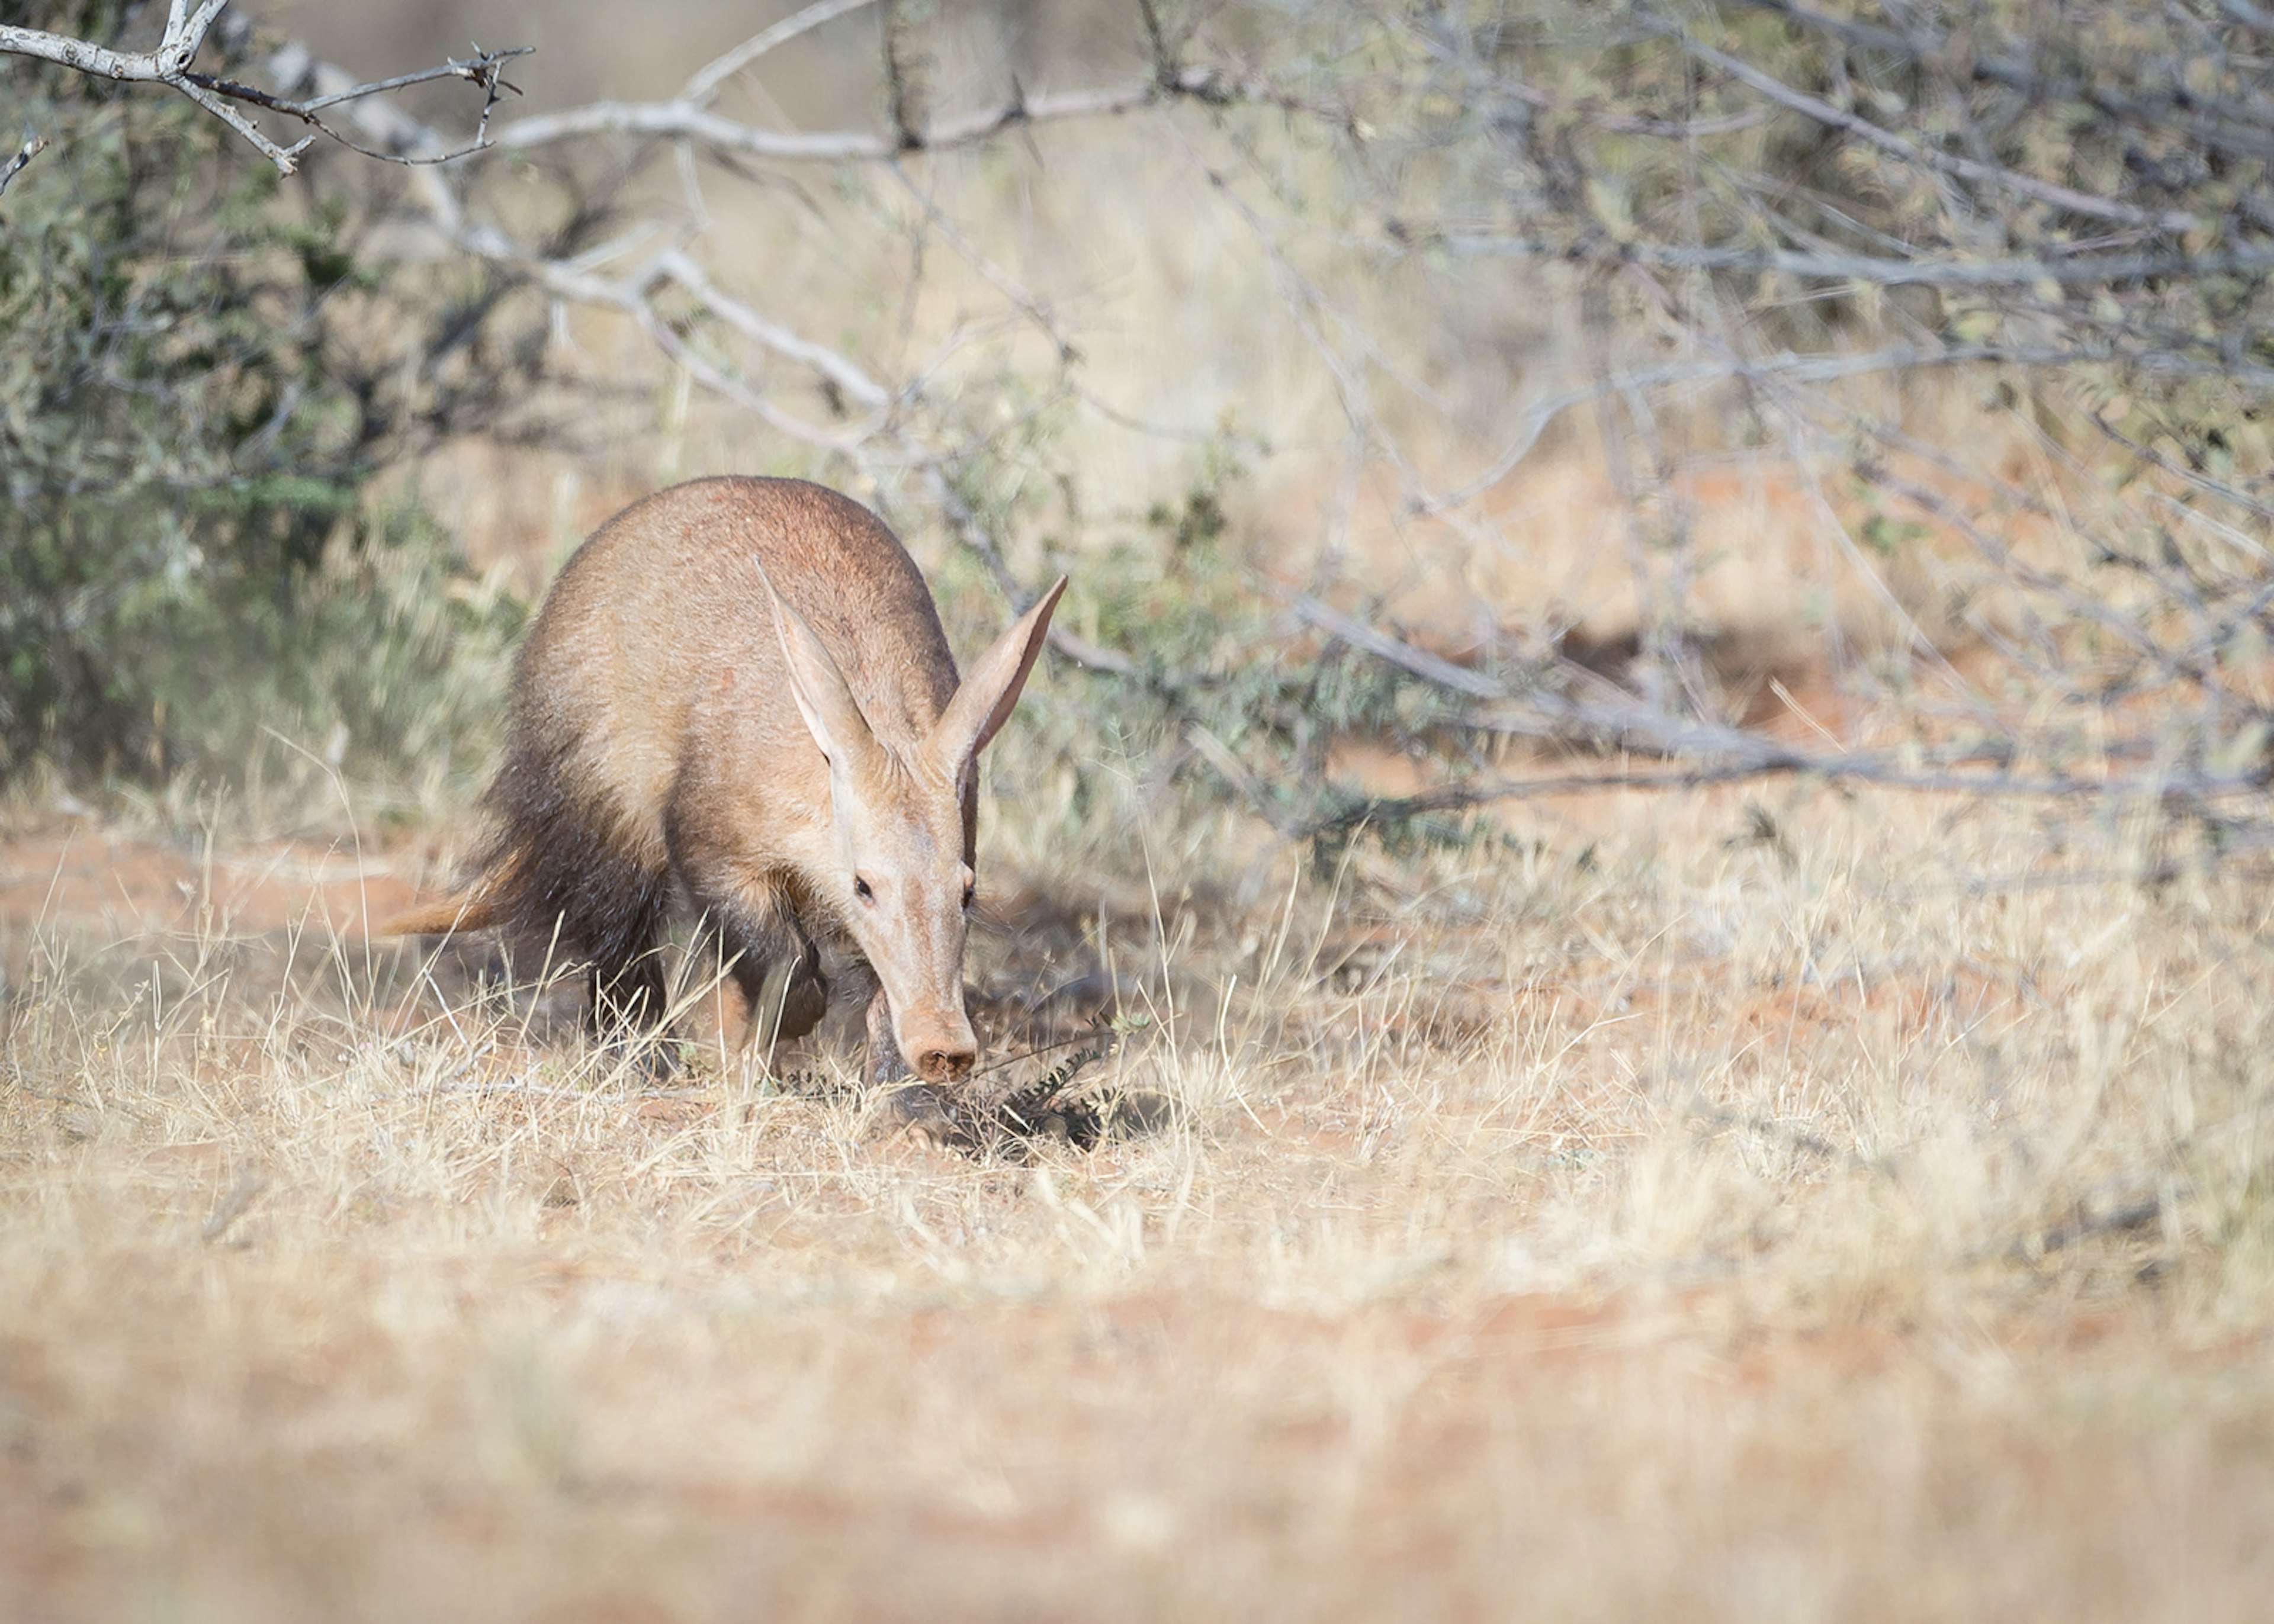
[(192, 556), (1175, 590)]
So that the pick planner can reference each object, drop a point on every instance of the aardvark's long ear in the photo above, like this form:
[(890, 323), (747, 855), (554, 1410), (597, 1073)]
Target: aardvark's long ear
[(823, 699), (983, 705)]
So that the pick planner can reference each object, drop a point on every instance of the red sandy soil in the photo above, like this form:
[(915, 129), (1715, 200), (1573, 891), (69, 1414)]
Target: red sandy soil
[(1170, 1448), (92, 881)]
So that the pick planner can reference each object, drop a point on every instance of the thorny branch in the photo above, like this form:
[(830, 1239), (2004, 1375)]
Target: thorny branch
[(481, 70), (32, 146), (171, 64)]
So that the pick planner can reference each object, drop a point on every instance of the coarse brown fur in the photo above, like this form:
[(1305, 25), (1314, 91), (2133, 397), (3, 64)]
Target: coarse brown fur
[(673, 738)]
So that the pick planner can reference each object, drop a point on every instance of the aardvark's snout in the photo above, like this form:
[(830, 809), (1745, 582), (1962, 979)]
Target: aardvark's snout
[(940, 1051)]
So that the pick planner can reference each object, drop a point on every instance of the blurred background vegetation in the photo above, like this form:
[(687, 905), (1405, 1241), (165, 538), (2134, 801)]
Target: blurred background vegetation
[(1424, 397), (199, 385)]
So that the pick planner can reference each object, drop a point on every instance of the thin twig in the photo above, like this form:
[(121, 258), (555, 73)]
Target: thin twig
[(706, 84), (1950, 164), (480, 70), (2079, 270), (170, 62), (1824, 368), (32, 146), (686, 119), (1879, 772)]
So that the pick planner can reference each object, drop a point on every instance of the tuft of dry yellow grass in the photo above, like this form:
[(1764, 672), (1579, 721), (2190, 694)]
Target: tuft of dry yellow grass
[(1801, 1206)]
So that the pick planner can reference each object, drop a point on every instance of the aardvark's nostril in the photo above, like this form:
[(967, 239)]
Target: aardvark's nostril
[(945, 1064)]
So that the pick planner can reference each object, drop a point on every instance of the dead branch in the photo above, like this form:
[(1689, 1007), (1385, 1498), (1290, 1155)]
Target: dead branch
[(1606, 716), (634, 295), (2080, 270), (2188, 790), (480, 70), (1807, 369), (706, 84), (1164, 54), (689, 120), (885, 436), (1614, 718), (1949, 164), (965, 526), (32, 146), (171, 64)]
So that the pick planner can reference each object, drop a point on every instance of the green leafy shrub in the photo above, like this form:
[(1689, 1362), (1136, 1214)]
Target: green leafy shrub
[(192, 558), (1221, 675)]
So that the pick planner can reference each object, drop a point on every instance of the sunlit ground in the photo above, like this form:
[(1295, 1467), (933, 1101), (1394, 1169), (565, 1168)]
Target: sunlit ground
[(1645, 1216)]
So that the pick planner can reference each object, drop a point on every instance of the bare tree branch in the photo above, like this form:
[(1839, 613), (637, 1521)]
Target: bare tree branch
[(2078, 270), (1797, 368), (170, 62), (1612, 717), (1164, 54), (906, 66), (634, 295), (1878, 771), (1842, 28), (706, 84), (1950, 164), (480, 70), (689, 119), (32, 146)]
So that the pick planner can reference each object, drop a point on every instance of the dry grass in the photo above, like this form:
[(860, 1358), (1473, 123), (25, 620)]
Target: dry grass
[(1722, 1205), (1657, 1216)]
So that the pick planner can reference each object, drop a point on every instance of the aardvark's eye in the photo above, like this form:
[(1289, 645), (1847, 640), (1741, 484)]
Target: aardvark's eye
[(970, 892), (861, 888)]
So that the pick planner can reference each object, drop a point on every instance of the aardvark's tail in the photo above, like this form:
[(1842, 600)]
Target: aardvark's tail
[(474, 910)]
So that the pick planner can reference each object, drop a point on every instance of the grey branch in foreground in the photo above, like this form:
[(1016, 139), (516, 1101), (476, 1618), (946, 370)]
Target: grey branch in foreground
[(34, 145), (170, 64)]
